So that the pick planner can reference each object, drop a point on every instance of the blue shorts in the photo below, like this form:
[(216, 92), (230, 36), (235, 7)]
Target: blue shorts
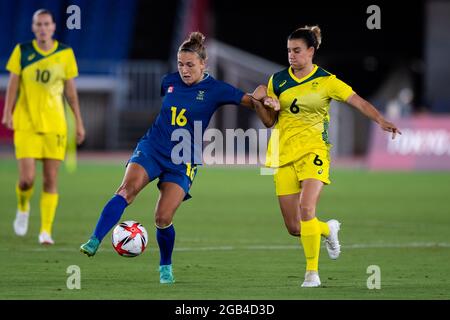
[(159, 166)]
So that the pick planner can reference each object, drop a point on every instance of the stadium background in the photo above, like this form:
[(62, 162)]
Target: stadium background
[(124, 47)]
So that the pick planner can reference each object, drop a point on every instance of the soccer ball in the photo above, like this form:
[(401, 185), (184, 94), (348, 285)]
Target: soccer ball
[(129, 238)]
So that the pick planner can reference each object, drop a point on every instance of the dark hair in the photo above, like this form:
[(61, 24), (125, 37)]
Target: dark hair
[(194, 43), (43, 11), (310, 34)]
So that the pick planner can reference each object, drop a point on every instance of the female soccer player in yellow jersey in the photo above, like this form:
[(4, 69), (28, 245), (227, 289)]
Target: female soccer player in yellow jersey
[(45, 70), (299, 98)]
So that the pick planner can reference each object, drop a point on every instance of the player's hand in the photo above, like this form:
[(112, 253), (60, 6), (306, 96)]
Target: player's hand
[(389, 127), (272, 103), (7, 121), (81, 134), (260, 92)]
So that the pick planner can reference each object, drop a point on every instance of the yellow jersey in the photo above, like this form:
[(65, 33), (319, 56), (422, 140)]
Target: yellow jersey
[(303, 118), (40, 103)]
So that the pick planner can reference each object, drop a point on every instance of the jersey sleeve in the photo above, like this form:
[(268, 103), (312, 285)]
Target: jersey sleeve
[(270, 91), (229, 94), (339, 90), (13, 64), (163, 86), (71, 65)]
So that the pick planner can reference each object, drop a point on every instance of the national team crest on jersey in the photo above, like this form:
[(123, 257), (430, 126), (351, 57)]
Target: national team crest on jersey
[(314, 85), (200, 95), (170, 89)]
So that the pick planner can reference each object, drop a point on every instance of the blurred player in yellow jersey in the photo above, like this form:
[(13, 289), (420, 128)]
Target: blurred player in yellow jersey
[(298, 103), (42, 72)]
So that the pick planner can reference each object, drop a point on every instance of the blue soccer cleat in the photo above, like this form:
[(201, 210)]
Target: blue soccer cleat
[(90, 248), (166, 274)]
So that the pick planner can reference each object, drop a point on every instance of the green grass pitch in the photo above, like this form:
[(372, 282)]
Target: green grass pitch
[(231, 242)]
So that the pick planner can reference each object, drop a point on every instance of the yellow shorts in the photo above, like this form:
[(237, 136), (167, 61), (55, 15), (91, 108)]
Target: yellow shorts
[(313, 165), (30, 144)]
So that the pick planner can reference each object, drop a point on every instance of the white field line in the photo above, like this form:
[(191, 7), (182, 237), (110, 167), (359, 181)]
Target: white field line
[(264, 247)]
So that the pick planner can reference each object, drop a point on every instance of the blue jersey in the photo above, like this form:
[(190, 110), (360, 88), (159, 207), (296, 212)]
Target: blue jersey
[(187, 107)]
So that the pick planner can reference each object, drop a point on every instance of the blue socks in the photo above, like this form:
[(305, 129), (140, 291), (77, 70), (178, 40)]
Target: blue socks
[(110, 216), (166, 241)]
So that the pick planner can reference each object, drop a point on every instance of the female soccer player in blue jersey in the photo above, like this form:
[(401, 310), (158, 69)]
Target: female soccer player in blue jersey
[(190, 97), (300, 97)]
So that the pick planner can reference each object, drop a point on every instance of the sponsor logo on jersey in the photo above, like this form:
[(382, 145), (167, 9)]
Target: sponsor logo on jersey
[(282, 84), (31, 56)]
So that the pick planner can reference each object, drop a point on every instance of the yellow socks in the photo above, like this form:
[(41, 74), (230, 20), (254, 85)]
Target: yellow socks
[(49, 202), (310, 238), (23, 199), (324, 229)]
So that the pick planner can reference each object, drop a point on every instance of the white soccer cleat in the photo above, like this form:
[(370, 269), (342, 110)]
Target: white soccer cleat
[(21, 223), (312, 280), (332, 241), (45, 238)]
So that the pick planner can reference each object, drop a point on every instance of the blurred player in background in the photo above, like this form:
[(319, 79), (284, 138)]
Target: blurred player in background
[(299, 99), (189, 95), (42, 72)]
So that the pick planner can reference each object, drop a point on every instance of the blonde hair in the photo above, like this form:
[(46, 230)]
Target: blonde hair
[(42, 11)]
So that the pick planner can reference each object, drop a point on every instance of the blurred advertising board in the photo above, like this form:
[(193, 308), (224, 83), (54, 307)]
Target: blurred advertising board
[(6, 135), (423, 145)]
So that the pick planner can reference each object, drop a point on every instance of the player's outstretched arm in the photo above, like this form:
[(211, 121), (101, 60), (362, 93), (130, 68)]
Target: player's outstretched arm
[(266, 107), (71, 94), (11, 94), (371, 112)]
